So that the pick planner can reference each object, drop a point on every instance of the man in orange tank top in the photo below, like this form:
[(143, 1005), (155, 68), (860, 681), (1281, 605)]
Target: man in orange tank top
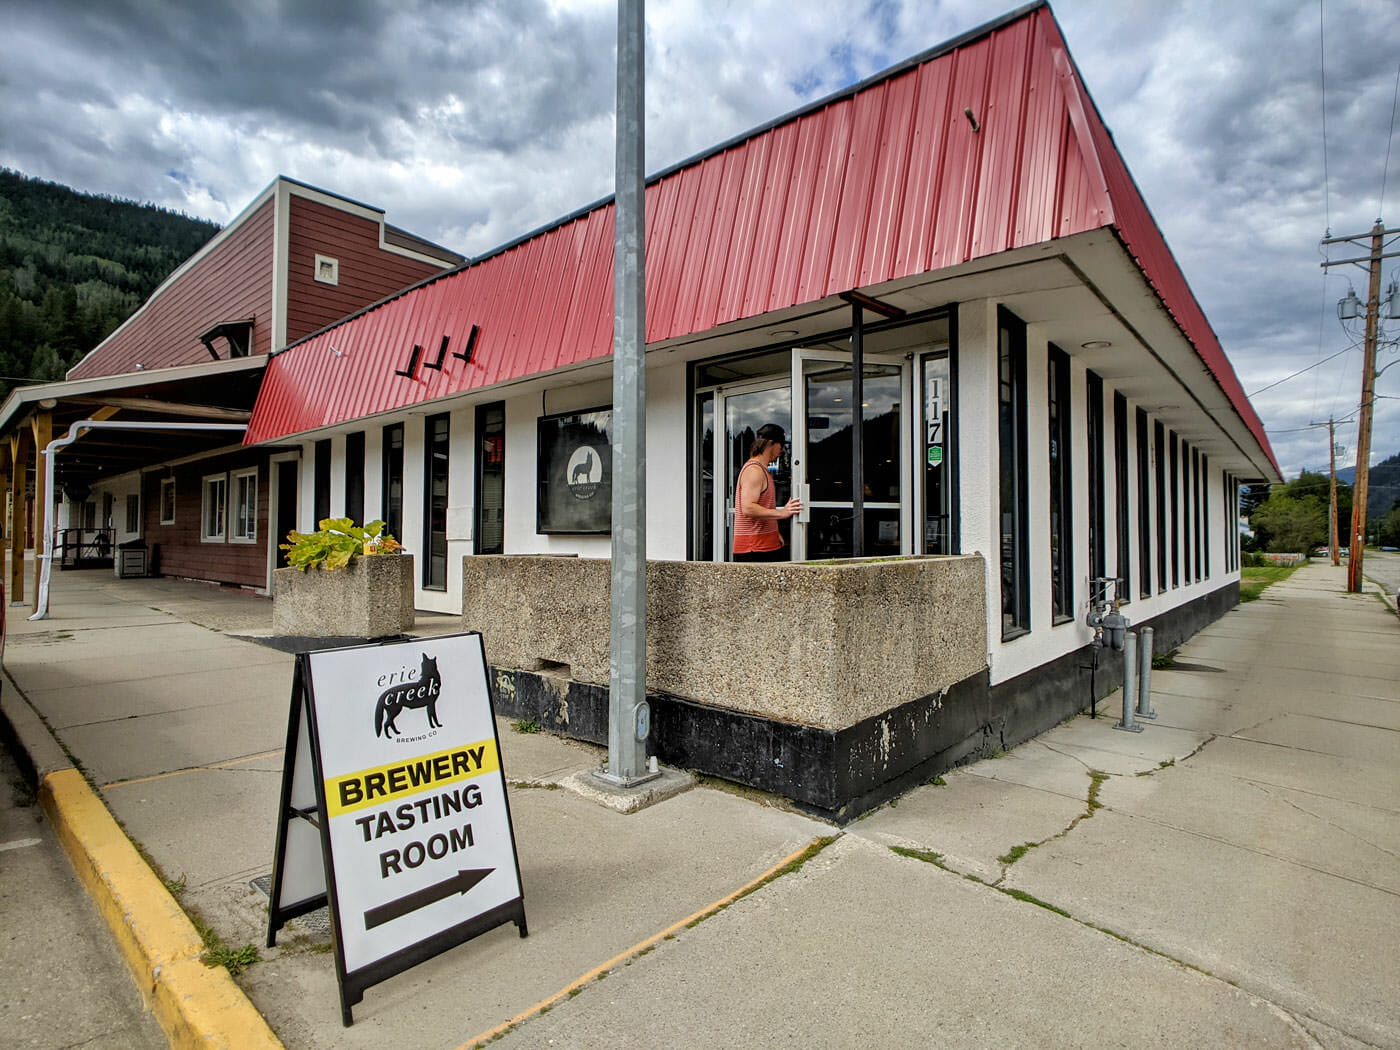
[(756, 513)]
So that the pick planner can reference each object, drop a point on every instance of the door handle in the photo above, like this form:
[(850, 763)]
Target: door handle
[(804, 493)]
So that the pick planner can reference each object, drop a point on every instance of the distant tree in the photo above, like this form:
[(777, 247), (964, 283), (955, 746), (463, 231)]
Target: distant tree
[(1283, 524), (1389, 527), (73, 266), (1251, 498), (1310, 483)]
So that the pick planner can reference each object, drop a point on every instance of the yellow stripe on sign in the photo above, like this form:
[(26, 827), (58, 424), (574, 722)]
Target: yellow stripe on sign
[(384, 784)]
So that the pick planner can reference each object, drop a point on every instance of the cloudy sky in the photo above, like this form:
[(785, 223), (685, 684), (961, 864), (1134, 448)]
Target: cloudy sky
[(471, 122)]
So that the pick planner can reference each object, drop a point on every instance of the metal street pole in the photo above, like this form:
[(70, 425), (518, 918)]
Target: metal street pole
[(628, 712)]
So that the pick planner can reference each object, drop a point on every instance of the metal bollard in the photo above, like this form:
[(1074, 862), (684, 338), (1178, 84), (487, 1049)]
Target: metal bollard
[(1144, 704), (1130, 670)]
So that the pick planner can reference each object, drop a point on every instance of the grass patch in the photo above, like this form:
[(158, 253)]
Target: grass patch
[(527, 725), (925, 855), (235, 960), (1022, 895), (1095, 783), (523, 785), (1162, 661), (1096, 780), (1015, 853), (938, 782), (1254, 579), (217, 953)]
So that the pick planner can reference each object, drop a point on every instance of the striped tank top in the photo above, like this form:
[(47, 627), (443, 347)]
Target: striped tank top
[(756, 534)]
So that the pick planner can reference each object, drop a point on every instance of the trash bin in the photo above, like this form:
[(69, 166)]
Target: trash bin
[(131, 559)]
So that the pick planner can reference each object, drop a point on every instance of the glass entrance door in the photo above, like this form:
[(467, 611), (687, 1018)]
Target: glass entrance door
[(742, 410), (822, 435)]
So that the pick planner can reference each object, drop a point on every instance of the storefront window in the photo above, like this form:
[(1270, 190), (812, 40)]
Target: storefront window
[(1011, 446), (435, 453), (491, 481), (575, 473), (392, 474)]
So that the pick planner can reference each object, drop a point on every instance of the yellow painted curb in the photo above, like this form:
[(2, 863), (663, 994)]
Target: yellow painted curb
[(195, 1005)]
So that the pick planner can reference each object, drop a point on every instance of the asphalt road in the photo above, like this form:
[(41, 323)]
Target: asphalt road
[(62, 983), (1384, 568)]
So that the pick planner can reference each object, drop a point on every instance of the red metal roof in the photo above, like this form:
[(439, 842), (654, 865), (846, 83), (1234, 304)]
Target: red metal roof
[(883, 181)]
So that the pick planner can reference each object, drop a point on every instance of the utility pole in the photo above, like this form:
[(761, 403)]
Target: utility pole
[(1332, 511), (1333, 541), (1368, 388)]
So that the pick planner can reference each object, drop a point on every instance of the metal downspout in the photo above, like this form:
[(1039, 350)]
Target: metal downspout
[(50, 451)]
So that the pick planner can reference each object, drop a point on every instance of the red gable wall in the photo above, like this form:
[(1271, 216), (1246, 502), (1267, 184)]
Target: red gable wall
[(233, 280), (367, 272)]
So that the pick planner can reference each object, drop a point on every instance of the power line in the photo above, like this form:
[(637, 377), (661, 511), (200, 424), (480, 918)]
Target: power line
[(1322, 65), (1300, 371), (1386, 170)]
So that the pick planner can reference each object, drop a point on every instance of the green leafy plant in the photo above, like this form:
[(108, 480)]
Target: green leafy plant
[(336, 542)]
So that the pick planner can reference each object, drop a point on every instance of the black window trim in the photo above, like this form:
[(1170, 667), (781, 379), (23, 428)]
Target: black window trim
[(1014, 458)]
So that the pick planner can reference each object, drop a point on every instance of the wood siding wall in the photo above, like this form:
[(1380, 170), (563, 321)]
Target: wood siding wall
[(232, 282), (182, 553), (368, 273)]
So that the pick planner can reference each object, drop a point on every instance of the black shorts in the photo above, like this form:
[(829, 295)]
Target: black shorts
[(781, 554)]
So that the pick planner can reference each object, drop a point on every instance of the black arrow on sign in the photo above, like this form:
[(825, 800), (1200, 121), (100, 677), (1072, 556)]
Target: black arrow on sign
[(459, 883)]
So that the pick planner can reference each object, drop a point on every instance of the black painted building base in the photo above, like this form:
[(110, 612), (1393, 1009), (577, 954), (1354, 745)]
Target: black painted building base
[(839, 774)]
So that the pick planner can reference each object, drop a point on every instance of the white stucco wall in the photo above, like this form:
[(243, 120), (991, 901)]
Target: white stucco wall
[(979, 470)]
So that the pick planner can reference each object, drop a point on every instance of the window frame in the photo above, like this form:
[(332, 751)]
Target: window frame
[(490, 462), (1175, 530), (1144, 487), (218, 505), (1060, 464), (133, 513), (1123, 590), (231, 526), (437, 462), (1159, 439), (355, 477), (321, 481), (1011, 473), (167, 485), (391, 473)]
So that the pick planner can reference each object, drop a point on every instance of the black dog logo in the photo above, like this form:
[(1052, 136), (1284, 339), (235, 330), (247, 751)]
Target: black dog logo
[(583, 470), (422, 693)]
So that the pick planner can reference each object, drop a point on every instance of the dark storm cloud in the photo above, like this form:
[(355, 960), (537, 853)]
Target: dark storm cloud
[(348, 72)]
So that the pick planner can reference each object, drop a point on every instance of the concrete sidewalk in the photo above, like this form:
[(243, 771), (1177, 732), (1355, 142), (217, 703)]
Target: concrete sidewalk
[(1226, 878)]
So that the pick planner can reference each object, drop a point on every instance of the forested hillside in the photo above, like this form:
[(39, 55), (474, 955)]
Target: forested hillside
[(73, 266)]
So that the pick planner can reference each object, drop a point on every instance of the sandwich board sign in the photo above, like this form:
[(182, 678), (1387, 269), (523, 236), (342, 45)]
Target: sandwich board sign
[(393, 809)]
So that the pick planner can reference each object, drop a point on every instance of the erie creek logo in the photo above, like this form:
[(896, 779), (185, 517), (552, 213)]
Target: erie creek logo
[(584, 472), (408, 688)]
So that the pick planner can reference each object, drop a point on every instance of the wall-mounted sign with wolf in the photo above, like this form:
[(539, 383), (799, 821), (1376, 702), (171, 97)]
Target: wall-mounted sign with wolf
[(393, 809)]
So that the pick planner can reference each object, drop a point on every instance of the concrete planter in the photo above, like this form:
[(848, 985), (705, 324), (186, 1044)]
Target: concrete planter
[(369, 598), (818, 644)]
